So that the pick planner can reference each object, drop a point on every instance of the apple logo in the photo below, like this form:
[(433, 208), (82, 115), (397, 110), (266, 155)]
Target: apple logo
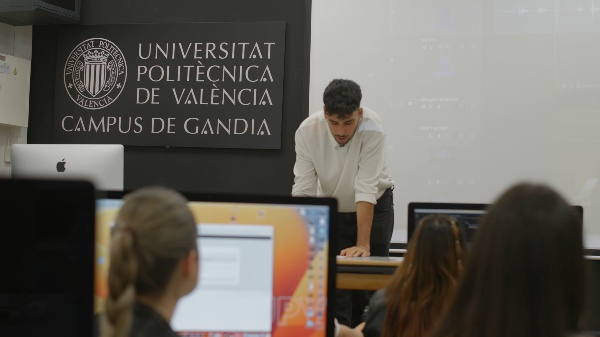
[(60, 166)]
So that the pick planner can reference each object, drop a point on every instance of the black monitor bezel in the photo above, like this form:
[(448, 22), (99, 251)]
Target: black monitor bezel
[(411, 225)]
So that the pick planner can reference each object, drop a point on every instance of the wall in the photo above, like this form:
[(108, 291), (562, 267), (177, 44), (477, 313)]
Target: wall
[(195, 169), (15, 41)]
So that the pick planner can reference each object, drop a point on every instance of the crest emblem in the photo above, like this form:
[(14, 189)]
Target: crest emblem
[(95, 73)]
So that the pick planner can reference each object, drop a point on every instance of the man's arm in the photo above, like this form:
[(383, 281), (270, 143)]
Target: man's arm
[(364, 222), (305, 175), (370, 163)]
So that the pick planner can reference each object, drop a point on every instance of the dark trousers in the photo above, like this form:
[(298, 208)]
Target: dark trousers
[(349, 304)]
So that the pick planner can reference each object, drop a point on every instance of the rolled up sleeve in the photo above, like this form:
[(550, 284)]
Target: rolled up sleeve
[(371, 161)]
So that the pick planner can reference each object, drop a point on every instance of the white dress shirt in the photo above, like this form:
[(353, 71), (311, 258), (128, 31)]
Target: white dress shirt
[(354, 172)]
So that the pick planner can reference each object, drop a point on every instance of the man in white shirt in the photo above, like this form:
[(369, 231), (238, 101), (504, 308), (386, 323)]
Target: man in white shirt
[(340, 152)]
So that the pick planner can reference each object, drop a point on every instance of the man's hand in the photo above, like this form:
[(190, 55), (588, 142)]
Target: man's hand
[(355, 251)]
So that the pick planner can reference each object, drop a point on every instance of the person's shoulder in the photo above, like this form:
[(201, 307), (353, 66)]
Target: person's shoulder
[(311, 121), (371, 121), (369, 112), (371, 115), (148, 323), (378, 297)]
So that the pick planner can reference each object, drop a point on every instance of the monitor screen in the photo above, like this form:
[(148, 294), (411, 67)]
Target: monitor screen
[(468, 216), (266, 266), (46, 258)]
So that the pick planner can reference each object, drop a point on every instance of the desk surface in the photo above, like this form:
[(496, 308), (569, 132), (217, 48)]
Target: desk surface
[(382, 261), (370, 273)]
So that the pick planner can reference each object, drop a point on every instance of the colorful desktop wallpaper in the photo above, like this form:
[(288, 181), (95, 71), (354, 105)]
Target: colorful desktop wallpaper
[(300, 260)]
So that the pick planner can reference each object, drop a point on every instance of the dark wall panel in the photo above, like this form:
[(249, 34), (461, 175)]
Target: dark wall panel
[(192, 169)]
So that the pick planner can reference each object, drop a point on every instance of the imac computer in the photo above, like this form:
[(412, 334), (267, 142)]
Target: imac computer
[(101, 164), (267, 268)]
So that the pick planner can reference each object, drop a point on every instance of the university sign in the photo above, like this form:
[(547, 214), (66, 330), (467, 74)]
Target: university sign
[(189, 85)]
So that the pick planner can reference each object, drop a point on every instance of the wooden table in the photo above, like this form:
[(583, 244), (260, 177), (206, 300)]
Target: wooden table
[(367, 273)]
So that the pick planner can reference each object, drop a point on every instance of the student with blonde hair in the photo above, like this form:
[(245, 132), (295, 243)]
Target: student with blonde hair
[(423, 284), (153, 263)]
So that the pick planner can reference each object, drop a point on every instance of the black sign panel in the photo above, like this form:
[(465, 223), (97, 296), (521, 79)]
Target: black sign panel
[(188, 85)]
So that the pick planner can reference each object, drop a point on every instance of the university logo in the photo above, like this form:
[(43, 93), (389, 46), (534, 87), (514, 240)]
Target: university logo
[(95, 73)]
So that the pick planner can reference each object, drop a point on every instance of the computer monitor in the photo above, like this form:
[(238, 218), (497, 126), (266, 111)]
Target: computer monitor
[(46, 258), (267, 267), (468, 215), (102, 164)]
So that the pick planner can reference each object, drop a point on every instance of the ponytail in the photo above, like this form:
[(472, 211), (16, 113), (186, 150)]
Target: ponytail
[(121, 284)]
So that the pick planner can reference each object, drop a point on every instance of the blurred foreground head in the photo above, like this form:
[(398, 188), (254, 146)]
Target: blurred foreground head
[(525, 275), (153, 256)]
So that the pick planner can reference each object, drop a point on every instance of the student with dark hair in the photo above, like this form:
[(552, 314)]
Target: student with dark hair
[(340, 152), (525, 276), (423, 284), (153, 263)]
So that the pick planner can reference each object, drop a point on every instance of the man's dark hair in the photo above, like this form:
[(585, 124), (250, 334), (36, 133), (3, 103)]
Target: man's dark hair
[(342, 97)]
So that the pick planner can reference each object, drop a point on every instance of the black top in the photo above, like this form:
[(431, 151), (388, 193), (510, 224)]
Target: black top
[(148, 323), (375, 315)]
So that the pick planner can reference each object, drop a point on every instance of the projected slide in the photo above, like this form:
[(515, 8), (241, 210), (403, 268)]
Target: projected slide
[(546, 16), (475, 95)]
